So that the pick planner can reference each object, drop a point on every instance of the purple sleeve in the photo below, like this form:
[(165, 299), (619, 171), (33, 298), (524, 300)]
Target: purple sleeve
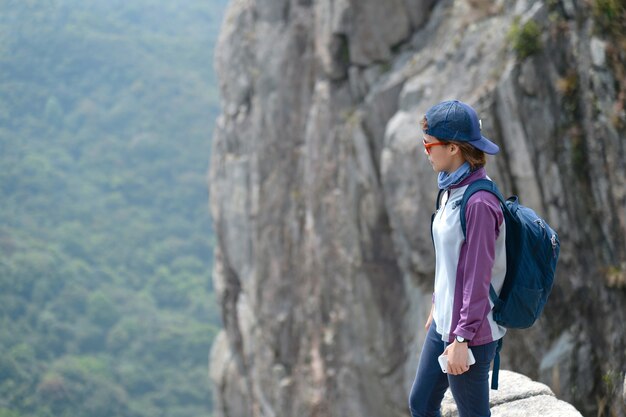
[(483, 217)]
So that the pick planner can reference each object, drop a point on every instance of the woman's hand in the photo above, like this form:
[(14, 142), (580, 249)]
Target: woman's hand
[(457, 358)]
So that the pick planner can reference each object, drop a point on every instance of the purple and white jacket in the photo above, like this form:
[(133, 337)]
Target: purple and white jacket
[(464, 268)]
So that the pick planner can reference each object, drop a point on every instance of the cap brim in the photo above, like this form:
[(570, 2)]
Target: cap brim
[(485, 145)]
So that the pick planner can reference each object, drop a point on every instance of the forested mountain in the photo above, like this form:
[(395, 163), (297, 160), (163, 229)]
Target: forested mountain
[(106, 113)]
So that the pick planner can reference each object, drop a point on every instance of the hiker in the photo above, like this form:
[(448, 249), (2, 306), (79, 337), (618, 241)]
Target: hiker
[(461, 313)]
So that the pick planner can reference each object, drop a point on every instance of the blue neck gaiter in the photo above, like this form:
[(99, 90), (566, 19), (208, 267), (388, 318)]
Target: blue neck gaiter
[(447, 180)]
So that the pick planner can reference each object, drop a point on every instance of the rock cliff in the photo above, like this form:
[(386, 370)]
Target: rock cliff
[(321, 195)]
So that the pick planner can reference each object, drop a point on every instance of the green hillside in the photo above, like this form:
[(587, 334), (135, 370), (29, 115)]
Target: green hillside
[(106, 115)]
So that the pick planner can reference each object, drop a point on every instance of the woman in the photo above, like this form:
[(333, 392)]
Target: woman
[(460, 317)]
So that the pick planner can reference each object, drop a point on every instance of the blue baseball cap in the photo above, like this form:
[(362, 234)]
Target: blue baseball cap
[(457, 121)]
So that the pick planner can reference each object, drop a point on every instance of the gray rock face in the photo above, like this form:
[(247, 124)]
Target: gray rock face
[(321, 196)]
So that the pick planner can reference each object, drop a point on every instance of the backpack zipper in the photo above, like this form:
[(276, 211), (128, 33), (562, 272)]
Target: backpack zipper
[(552, 238), (543, 226)]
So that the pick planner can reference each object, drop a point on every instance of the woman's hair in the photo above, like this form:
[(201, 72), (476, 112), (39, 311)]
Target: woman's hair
[(475, 157)]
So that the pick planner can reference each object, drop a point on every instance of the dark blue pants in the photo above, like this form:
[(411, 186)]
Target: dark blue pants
[(470, 389)]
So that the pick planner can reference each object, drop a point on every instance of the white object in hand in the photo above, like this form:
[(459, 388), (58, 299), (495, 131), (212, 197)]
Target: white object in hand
[(443, 360)]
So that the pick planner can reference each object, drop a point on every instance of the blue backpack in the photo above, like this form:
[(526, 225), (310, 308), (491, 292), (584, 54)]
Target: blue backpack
[(532, 251)]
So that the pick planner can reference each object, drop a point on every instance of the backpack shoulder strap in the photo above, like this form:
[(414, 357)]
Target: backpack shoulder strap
[(432, 218), (490, 186), (438, 202), (479, 185)]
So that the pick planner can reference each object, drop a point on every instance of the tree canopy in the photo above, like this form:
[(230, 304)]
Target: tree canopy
[(106, 112)]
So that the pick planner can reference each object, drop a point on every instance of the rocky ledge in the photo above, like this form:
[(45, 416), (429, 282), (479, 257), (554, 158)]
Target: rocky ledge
[(519, 395)]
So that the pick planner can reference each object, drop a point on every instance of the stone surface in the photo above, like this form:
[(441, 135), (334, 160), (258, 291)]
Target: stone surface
[(598, 52), (518, 395), (321, 195), (540, 406)]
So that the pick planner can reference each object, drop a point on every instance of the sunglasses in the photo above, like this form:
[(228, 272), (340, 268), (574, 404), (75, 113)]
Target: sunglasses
[(427, 145)]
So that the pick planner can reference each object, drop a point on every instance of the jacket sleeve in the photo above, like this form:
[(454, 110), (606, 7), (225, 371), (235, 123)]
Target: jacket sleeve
[(483, 217)]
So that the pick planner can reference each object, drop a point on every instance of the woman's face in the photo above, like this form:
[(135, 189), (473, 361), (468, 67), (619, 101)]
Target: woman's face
[(438, 153)]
